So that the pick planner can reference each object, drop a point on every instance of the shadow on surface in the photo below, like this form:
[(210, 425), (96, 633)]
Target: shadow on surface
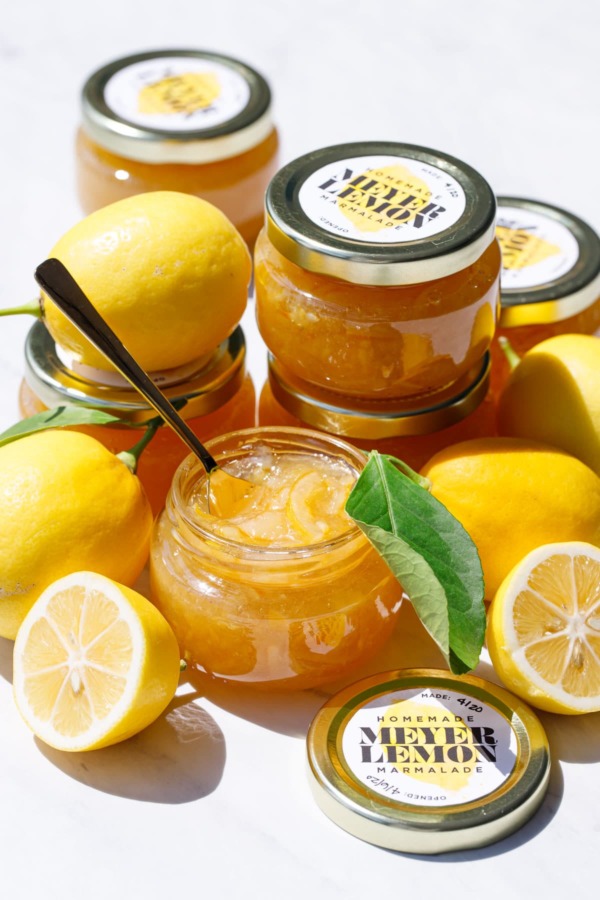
[(6, 659), (177, 759), (291, 712)]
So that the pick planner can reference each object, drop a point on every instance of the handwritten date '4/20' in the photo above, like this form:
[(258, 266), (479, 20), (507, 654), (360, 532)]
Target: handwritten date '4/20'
[(468, 704)]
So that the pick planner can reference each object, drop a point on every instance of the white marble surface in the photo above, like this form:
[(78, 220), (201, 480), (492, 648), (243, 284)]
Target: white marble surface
[(212, 800)]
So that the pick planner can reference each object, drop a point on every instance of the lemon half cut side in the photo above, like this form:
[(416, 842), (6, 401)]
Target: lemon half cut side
[(544, 628), (94, 663)]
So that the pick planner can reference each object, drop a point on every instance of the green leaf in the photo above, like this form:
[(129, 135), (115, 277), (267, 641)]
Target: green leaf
[(429, 552), (59, 417)]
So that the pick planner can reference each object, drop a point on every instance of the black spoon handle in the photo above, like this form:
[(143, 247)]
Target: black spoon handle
[(59, 284)]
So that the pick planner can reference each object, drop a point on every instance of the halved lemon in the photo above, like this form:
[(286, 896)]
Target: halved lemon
[(94, 663), (544, 628)]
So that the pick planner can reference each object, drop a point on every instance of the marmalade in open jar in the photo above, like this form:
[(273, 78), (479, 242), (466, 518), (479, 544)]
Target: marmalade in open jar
[(288, 593), (377, 272), (550, 281), (178, 120), (215, 397)]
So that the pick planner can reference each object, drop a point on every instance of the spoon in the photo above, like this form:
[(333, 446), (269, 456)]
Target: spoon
[(225, 491)]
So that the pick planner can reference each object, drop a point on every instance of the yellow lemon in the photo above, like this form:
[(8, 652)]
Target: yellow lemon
[(553, 396), (544, 628), (168, 272), (94, 663), (512, 496), (66, 503)]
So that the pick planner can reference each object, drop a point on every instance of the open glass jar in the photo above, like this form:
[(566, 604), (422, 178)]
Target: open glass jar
[(413, 434), (178, 120), (215, 396), (377, 272), (550, 281), (270, 615)]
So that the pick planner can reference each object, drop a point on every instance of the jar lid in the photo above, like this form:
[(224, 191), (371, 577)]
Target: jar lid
[(380, 213), (378, 419), (177, 106), (550, 263), (423, 761), (196, 390)]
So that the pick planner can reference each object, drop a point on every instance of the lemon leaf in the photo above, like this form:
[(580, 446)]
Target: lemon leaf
[(59, 417), (429, 552)]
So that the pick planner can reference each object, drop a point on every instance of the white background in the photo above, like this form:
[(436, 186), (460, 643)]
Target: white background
[(213, 800)]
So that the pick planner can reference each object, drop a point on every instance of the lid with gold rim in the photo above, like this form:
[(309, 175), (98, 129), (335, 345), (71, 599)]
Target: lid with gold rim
[(177, 106), (380, 213), (378, 419), (196, 389), (423, 761), (550, 263)]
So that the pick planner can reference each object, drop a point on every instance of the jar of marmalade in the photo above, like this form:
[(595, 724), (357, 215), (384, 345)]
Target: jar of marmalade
[(178, 120), (412, 433), (377, 272), (550, 281), (214, 397)]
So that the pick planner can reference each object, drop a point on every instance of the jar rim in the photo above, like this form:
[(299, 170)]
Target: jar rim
[(556, 297), (294, 437), (197, 389), (134, 139), (444, 242)]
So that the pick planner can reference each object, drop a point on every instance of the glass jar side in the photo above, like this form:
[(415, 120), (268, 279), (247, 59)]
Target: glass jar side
[(236, 185), (376, 342), (285, 618)]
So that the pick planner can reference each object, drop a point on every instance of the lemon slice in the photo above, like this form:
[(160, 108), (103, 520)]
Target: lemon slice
[(544, 628), (94, 663)]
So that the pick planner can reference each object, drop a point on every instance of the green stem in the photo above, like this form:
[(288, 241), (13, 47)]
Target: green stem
[(131, 457), (31, 309), (410, 473), (511, 355)]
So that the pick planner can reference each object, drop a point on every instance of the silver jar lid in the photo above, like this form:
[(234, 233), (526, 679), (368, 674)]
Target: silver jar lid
[(423, 761), (380, 213), (176, 106), (550, 263), (196, 389)]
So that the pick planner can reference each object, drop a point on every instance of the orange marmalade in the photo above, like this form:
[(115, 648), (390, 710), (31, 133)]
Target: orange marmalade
[(288, 593), (216, 397), (377, 273), (178, 120), (550, 281)]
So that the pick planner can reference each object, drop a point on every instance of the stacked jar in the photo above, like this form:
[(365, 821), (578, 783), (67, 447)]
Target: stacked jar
[(377, 289), (178, 120), (550, 280)]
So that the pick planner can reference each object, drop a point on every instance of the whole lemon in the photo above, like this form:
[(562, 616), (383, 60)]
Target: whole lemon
[(553, 396), (66, 503), (168, 272), (514, 495)]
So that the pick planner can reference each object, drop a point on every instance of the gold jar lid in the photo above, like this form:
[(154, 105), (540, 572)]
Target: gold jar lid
[(380, 213), (550, 263), (422, 761), (379, 419), (176, 106), (195, 390)]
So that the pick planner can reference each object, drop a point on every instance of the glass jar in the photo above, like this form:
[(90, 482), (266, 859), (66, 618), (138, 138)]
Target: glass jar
[(377, 272), (550, 281), (216, 397), (279, 617), (413, 433), (178, 120)]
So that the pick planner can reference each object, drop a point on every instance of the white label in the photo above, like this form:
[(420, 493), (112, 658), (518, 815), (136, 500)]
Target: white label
[(535, 248), (177, 93), (429, 747), (382, 199)]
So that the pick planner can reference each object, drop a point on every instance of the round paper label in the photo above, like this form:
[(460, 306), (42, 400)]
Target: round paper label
[(429, 747), (382, 199), (177, 93), (535, 248)]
